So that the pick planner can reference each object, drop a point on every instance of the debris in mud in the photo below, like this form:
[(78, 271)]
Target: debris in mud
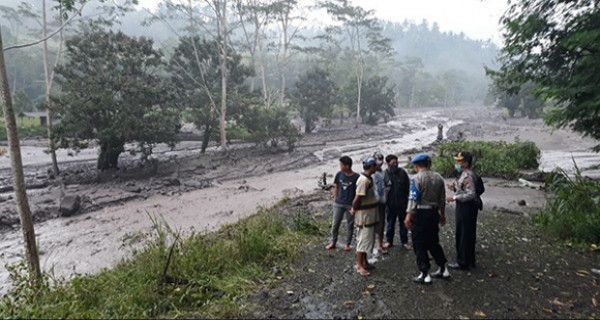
[(247, 188), (171, 182), (134, 189), (70, 205), (529, 184), (508, 211), (292, 193), (522, 203), (8, 221), (536, 176)]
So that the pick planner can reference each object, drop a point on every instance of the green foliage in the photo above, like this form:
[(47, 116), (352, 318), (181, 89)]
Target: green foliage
[(491, 159), (28, 128), (269, 126), (572, 210), (305, 224), (418, 87), (555, 45), (441, 54), (516, 100), (378, 99), (196, 77), (111, 92), (22, 103), (314, 96), (207, 277)]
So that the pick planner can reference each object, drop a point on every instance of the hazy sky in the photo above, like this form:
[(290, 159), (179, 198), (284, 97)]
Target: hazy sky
[(476, 18)]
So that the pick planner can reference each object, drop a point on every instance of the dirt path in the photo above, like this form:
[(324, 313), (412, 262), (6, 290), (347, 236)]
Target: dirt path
[(520, 274)]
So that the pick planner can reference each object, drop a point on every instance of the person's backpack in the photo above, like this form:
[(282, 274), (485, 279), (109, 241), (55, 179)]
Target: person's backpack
[(479, 190)]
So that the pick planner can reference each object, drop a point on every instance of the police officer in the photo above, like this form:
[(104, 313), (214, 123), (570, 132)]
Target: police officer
[(424, 215), (465, 196)]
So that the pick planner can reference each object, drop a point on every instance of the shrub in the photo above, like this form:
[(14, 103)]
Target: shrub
[(572, 210), (269, 127), (206, 276), (491, 159)]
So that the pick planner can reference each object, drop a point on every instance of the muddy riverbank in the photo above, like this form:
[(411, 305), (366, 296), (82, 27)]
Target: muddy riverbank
[(195, 192), (192, 192)]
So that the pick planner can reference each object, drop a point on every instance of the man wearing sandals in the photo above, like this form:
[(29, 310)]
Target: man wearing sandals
[(365, 210)]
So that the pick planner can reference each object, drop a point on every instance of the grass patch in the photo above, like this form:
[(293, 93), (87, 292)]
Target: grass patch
[(572, 209), (27, 127), (206, 276), (491, 159)]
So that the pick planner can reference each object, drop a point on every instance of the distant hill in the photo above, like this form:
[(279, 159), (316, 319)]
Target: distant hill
[(441, 50)]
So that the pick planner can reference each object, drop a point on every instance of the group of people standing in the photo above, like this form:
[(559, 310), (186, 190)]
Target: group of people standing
[(376, 199)]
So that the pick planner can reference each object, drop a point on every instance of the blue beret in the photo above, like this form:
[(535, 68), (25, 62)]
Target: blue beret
[(369, 162), (421, 157)]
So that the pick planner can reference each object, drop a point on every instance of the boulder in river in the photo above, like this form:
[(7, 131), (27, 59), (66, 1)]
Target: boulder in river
[(70, 205)]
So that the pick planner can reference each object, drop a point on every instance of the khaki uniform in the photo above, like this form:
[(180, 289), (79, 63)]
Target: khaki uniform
[(366, 217), (426, 200)]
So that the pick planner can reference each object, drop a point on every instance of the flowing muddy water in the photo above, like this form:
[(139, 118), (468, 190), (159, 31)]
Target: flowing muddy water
[(99, 239)]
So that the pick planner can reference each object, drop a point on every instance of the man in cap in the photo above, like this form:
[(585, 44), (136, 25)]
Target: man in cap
[(364, 209), (465, 196), (378, 179), (425, 213)]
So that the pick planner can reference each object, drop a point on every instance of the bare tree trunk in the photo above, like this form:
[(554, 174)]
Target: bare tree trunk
[(411, 97), (359, 80), (265, 89), (23, 208), (263, 75), (284, 27), (284, 45), (223, 35), (47, 80)]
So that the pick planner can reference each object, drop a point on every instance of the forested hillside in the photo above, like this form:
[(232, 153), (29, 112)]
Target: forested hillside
[(429, 67)]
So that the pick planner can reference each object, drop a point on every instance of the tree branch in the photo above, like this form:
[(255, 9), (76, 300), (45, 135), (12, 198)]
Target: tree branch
[(55, 32)]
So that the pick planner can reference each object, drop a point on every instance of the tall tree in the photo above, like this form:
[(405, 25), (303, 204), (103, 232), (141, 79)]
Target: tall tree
[(378, 99), (289, 32), (57, 17), (555, 44), (111, 92), (314, 96), (362, 36), (31, 251), (199, 88), (254, 17), (206, 19), (48, 80)]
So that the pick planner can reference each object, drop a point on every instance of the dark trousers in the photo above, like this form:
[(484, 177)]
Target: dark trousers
[(396, 212), (380, 227), (425, 237), (466, 233)]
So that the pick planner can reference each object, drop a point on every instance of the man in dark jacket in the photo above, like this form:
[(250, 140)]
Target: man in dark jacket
[(397, 185)]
